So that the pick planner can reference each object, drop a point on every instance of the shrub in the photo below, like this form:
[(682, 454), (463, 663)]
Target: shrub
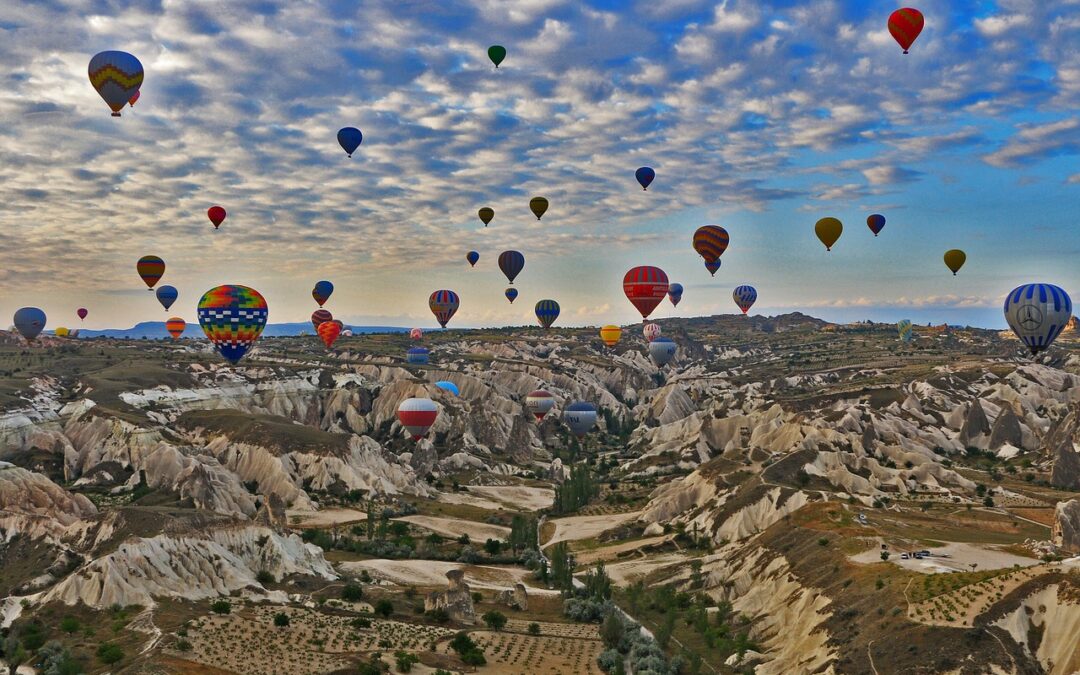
[(438, 615), (352, 593), (109, 653), (477, 596), (384, 608), (360, 622), (69, 624), (405, 661), (183, 646), (221, 607), (494, 620), (534, 628), (281, 619), (265, 577)]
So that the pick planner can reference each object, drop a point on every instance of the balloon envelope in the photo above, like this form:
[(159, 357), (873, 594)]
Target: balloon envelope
[(167, 295), (540, 403), (82, 312), (29, 321), (416, 333), (955, 259), (496, 53), (511, 263), (539, 206), (449, 386), (417, 356), (651, 331), (117, 77), (645, 176), (216, 214), (610, 334), (662, 350), (645, 287), (350, 139), (176, 327), (320, 316), (744, 297), (905, 24), (710, 241), (712, 266), (875, 222), (233, 317), (150, 268), (329, 331), (444, 304), (511, 294), (61, 332), (486, 214), (546, 312), (472, 257), (674, 294), (1038, 313), (580, 417), (417, 415), (904, 328), (828, 231), (322, 292)]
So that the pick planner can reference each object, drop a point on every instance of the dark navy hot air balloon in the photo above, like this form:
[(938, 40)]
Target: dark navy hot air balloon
[(472, 257), (511, 294), (546, 312), (29, 321), (875, 222), (322, 292), (712, 266), (674, 294), (167, 295), (645, 176), (1038, 313), (511, 263), (417, 356), (350, 139), (117, 77)]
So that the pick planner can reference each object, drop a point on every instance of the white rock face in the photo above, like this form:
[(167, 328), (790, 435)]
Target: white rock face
[(1058, 615), (29, 493)]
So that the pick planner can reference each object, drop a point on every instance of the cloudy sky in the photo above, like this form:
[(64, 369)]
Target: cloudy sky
[(758, 116)]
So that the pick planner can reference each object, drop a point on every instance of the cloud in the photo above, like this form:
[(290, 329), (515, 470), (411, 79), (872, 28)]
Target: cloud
[(1037, 141), (890, 175)]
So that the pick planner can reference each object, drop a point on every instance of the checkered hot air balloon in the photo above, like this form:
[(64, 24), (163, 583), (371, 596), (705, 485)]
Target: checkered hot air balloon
[(233, 317)]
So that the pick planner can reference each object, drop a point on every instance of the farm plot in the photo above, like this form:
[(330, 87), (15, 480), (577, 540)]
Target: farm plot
[(513, 654)]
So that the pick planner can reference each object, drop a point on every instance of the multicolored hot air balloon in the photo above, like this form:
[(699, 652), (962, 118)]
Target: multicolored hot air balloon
[(511, 263), (546, 312), (539, 403), (216, 214), (150, 268), (117, 77), (710, 241), (511, 294), (539, 206), (486, 214), (176, 327), (828, 231), (320, 316), (444, 304), (875, 222), (233, 317), (350, 139), (322, 292), (329, 331), (167, 295), (905, 24), (473, 257), (447, 385), (1038, 313), (416, 333), (82, 312), (496, 53), (744, 297), (29, 321), (674, 294), (610, 335), (417, 356), (651, 331), (645, 176), (905, 329), (662, 350), (712, 266), (645, 287), (955, 259), (580, 417), (417, 415)]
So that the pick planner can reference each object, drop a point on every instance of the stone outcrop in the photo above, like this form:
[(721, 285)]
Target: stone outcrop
[(272, 513), (1066, 530), (976, 427), (514, 598), (1066, 472), (455, 600)]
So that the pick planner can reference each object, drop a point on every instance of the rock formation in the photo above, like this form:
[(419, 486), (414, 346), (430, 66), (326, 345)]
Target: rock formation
[(1066, 531), (1066, 472), (515, 598), (455, 600)]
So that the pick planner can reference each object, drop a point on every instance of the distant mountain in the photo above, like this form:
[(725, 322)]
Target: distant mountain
[(156, 329)]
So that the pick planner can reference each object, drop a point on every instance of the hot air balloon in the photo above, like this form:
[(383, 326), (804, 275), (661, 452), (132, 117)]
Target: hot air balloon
[(328, 332), (417, 356), (320, 316), (447, 385), (216, 214), (651, 331), (645, 287), (580, 417), (546, 312), (610, 334), (176, 327), (167, 295), (417, 415), (444, 304), (233, 317), (416, 333), (712, 266), (955, 259), (496, 53), (486, 214), (29, 321), (347, 333), (117, 77), (472, 257), (744, 297), (539, 403), (82, 312), (710, 241), (1037, 313), (350, 139), (61, 332), (322, 292), (662, 350), (828, 231), (511, 294), (905, 24), (904, 328), (133, 99), (511, 263), (875, 222), (539, 206), (150, 268), (645, 176), (674, 294)]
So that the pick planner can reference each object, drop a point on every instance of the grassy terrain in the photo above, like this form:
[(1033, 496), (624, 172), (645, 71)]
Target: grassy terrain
[(266, 430)]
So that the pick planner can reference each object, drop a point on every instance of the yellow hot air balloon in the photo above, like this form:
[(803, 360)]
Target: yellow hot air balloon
[(828, 231), (610, 335), (954, 259), (61, 332)]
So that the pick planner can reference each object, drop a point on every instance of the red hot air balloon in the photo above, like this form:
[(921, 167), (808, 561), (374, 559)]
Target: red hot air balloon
[(216, 214), (417, 415), (320, 316), (645, 287), (329, 332), (82, 313), (905, 24)]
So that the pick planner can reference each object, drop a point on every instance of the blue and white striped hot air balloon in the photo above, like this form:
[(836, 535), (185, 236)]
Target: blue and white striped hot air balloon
[(744, 297), (1037, 313)]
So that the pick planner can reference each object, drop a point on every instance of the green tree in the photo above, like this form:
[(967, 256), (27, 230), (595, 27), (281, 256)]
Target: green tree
[(495, 620), (405, 661), (221, 607), (562, 566), (109, 653), (70, 625), (493, 547), (598, 583), (281, 619), (352, 593), (384, 607), (265, 577), (612, 629), (14, 652), (534, 628)]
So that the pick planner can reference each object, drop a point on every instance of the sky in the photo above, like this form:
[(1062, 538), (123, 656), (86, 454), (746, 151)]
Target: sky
[(758, 116)]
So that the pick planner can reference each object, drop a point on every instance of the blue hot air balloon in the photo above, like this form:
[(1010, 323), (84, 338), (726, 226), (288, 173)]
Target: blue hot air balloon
[(744, 297), (875, 222), (546, 312), (417, 356), (645, 176), (29, 321), (350, 139), (662, 350), (511, 263), (449, 386), (580, 417), (167, 295), (712, 266), (1037, 313), (117, 77), (674, 294), (511, 294), (472, 257), (322, 292)]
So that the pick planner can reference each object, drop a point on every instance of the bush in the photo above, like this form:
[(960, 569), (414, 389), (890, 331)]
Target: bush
[(384, 608), (183, 646), (265, 577), (360, 622), (352, 593), (221, 607), (70, 624), (281, 619), (534, 628), (109, 653), (438, 615), (468, 650), (477, 596), (55, 659), (405, 661), (494, 620)]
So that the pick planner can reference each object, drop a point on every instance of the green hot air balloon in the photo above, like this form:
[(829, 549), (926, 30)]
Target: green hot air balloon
[(496, 53)]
